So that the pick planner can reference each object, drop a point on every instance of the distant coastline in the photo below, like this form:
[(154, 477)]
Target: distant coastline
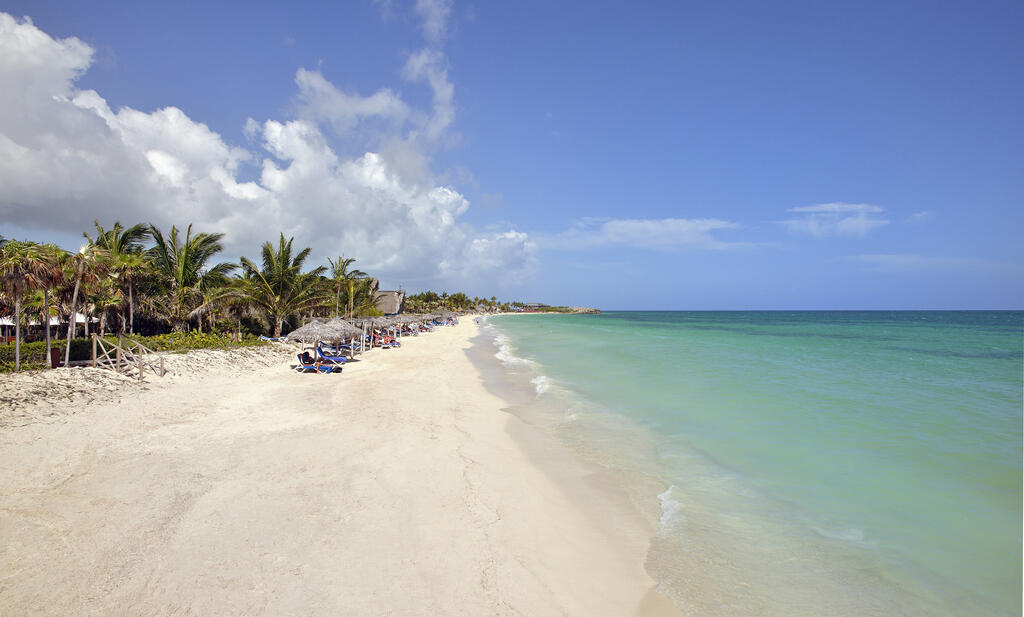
[(568, 310)]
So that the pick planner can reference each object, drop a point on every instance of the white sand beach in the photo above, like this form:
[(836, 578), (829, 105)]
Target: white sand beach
[(242, 488)]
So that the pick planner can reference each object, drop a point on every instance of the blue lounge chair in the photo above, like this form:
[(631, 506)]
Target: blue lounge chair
[(307, 364), (333, 360)]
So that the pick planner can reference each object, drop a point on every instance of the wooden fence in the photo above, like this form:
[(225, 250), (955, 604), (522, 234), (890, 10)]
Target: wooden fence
[(126, 356)]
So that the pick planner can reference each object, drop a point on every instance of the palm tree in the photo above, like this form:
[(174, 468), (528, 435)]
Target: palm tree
[(125, 248), (23, 266), (236, 302), (54, 256), (130, 269), (107, 297), (181, 266), (342, 277), (280, 288), (89, 265), (361, 300)]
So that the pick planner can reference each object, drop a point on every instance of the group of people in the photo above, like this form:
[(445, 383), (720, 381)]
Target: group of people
[(381, 335)]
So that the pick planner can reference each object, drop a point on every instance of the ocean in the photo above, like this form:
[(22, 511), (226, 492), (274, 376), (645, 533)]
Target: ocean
[(797, 463)]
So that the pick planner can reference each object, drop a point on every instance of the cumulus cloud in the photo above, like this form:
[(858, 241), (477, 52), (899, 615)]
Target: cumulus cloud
[(320, 101), (669, 233), (66, 158), (835, 219)]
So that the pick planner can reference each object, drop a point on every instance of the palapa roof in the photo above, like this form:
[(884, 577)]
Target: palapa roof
[(317, 330), (389, 302), (346, 329)]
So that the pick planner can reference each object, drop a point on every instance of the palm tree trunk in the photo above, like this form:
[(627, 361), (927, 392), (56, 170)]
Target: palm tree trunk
[(74, 309), (131, 309), (86, 314), (17, 332), (351, 299), (277, 327), (46, 309)]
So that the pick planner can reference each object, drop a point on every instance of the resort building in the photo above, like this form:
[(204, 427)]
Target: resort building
[(390, 302)]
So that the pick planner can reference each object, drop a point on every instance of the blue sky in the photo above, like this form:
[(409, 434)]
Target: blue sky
[(670, 155)]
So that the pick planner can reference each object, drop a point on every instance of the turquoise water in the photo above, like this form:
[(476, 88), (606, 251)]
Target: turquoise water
[(806, 462)]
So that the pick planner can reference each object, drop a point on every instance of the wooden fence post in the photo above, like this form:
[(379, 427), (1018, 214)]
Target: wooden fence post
[(93, 350)]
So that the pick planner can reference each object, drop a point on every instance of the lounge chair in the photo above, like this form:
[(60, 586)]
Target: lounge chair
[(306, 364), (331, 359)]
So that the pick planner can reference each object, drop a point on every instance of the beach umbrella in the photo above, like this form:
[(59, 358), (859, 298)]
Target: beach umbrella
[(314, 332), (345, 329), (346, 332)]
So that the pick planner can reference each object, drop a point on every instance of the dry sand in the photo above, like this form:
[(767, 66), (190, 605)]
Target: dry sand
[(238, 487)]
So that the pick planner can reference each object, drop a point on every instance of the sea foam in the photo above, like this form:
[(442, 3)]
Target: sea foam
[(671, 510), (505, 352)]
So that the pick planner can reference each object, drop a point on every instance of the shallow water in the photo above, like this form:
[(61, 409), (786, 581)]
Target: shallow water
[(807, 462)]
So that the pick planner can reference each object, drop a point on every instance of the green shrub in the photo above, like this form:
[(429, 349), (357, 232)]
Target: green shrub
[(33, 355), (179, 341), (30, 352)]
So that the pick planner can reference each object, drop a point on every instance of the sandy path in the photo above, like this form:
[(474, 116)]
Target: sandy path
[(392, 489)]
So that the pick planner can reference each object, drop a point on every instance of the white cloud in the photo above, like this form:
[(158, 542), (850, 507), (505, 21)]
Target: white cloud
[(66, 158), (670, 233), (434, 15), (320, 101), (428, 65), (835, 219)]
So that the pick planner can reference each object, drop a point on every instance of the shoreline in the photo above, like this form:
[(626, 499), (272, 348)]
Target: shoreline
[(400, 485)]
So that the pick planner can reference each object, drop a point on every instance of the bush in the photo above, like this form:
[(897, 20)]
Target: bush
[(33, 355), (183, 341)]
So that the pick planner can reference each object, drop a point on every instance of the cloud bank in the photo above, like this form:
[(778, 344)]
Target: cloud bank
[(67, 157)]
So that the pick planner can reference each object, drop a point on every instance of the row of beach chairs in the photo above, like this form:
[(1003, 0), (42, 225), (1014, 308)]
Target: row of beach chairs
[(329, 358)]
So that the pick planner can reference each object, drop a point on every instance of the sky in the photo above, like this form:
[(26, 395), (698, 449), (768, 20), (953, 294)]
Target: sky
[(659, 155)]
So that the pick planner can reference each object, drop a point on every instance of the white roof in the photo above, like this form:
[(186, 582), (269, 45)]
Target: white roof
[(54, 321)]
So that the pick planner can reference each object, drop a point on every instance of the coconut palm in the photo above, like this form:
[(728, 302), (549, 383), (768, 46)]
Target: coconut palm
[(23, 266), (279, 288), (54, 257), (181, 268), (89, 264), (106, 299), (342, 278), (125, 247), (360, 297)]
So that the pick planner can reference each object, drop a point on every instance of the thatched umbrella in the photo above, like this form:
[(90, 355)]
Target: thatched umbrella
[(346, 329), (361, 323), (314, 332), (346, 332)]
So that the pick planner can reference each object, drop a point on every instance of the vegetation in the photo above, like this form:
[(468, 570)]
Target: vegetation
[(430, 301), (280, 288), (33, 355), (169, 291)]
